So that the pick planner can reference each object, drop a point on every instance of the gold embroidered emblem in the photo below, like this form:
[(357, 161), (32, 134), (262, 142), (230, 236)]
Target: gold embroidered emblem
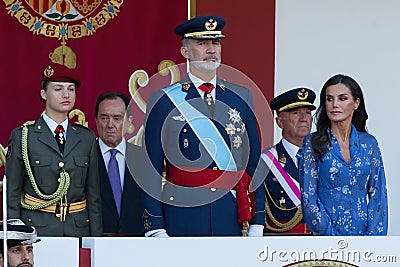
[(223, 87), (302, 94), (210, 25)]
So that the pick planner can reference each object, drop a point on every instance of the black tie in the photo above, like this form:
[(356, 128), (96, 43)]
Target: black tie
[(60, 137), (208, 99)]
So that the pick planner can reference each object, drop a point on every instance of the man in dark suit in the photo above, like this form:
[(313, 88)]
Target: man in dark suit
[(283, 210), (122, 210), (205, 130), (51, 167)]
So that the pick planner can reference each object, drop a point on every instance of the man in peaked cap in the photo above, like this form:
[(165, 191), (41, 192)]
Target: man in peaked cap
[(20, 238), (52, 165), (217, 199), (283, 210)]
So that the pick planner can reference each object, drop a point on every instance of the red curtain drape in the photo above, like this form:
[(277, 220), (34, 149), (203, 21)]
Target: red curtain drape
[(140, 36)]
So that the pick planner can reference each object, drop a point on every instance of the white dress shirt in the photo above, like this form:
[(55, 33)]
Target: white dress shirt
[(120, 156), (53, 125), (197, 82), (291, 149)]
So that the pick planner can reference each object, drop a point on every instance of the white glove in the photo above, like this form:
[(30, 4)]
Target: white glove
[(255, 230), (159, 233)]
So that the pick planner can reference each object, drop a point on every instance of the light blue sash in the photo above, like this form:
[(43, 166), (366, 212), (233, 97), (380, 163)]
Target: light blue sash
[(204, 129)]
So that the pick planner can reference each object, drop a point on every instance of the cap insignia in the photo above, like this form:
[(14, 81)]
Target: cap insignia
[(210, 24), (48, 71), (302, 94)]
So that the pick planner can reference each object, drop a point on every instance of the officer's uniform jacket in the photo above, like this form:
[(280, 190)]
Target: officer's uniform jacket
[(130, 219), (79, 160), (206, 211), (279, 197)]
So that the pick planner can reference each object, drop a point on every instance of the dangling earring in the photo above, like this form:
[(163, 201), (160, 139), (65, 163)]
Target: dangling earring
[(131, 128)]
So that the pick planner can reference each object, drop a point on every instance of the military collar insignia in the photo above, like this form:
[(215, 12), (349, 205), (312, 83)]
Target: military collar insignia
[(186, 86), (282, 159), (64, 20), (222, 85)]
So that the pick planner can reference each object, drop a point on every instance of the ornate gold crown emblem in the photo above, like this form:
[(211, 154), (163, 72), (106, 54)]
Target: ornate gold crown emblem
[(302, 94), (210, 25), (48, 71)]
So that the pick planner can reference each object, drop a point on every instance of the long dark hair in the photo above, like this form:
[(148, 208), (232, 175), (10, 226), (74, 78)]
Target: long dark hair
[(321, 140)]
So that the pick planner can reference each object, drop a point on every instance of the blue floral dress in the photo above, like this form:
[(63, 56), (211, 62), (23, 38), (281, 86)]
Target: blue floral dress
[(340, 198)]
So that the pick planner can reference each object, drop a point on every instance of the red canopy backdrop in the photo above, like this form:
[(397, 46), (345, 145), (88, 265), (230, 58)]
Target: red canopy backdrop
[(110, 39)]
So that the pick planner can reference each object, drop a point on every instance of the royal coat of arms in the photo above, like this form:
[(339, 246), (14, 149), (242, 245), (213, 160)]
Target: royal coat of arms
[(63, 19)]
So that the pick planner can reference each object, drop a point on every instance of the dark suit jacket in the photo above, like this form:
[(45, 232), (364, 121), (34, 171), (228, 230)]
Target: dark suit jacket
[(80, 161), (130, 220)]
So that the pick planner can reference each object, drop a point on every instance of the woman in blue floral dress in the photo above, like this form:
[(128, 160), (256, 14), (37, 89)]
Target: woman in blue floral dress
[(342, 177)]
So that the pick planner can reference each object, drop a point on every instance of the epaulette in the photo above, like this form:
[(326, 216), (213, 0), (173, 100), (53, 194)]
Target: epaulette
[(28, 123)]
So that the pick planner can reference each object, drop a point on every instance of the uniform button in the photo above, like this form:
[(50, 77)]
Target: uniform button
[(86, 164), (87, 221), (213, 189), (37, 162), (215, 168), (59, 180), (184, 130), (29, 220), (171, 198), (281, 191), (61, 164)]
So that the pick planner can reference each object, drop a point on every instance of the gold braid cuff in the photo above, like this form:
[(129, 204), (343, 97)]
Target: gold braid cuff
[(62, 189)]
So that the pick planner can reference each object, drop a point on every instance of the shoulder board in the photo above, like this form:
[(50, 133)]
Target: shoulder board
[(28, 123)]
